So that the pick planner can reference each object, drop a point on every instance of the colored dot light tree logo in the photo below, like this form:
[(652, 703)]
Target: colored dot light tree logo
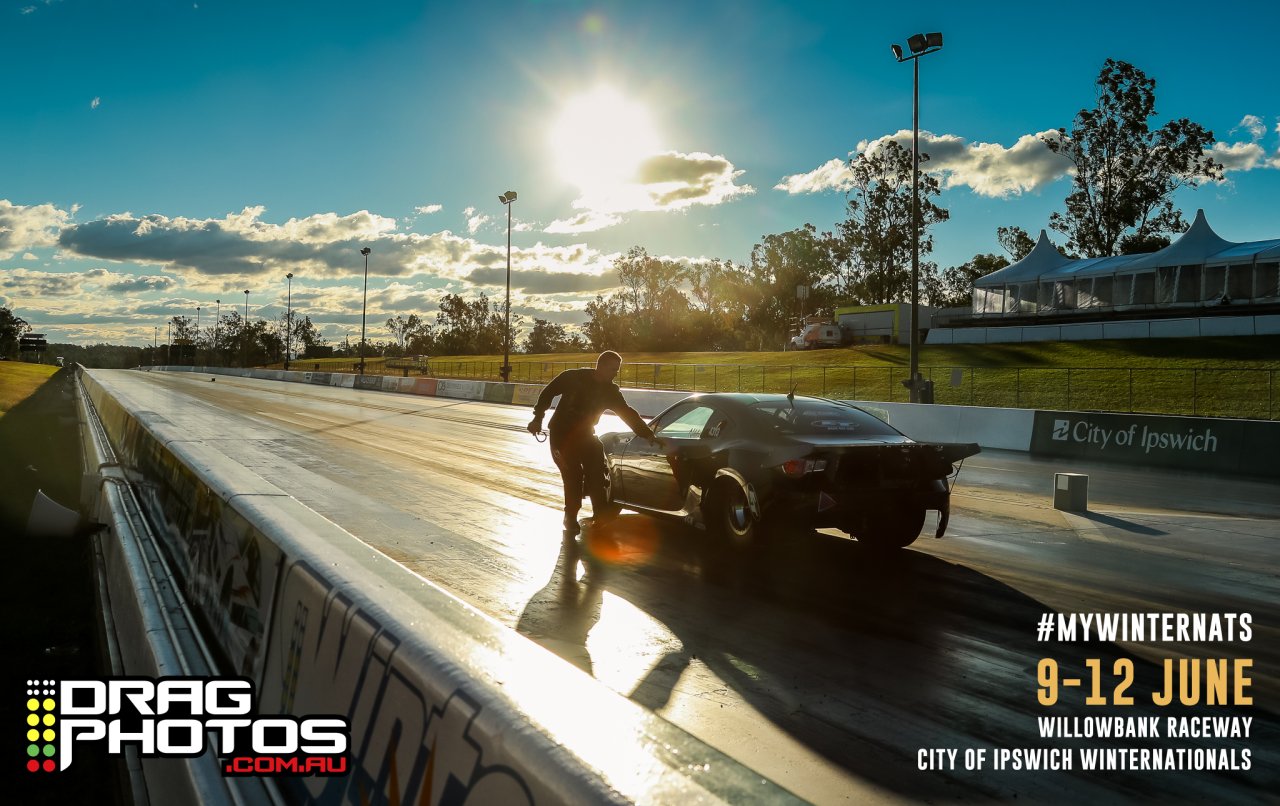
[(41, 722)]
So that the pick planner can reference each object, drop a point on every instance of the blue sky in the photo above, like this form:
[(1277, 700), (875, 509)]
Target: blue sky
[(156, 156)]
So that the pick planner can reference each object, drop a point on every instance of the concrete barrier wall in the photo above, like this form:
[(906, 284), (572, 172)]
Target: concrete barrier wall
[(444, 704), (1002, 429), (1151, 440), (1189, 327), (464, 390)]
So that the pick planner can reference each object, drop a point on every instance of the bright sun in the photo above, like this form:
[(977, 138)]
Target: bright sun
[(600, 138)]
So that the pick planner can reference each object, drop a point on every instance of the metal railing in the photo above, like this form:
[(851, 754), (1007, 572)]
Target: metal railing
[(1242, 393)]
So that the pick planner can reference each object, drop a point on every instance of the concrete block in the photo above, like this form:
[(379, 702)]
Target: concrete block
[(970, 335), (1071, 492), (1268, 325), (1004, 335), (941, 335), (1082, 332), (1227, 326), (1126, 330), (1174, 328), (1042, 333)]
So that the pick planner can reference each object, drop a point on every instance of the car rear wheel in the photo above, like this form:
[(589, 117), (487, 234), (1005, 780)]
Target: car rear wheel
[(731, 518), (892, 528)]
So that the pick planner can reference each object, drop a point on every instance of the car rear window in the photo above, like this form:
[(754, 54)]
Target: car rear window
[(821, 417)]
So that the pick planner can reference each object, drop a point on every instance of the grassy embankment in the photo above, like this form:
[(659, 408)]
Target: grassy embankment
[(46, 599), (1232, 377), (19, 380)]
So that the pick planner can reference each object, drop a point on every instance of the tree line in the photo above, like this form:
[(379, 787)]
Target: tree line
[(1124, 176)]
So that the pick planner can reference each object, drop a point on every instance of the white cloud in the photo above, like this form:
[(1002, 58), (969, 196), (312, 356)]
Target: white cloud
[(24, 228), (1253, 125), (989, 169), (587, 221), (1238, 156), (831, 175), (428, 209), (217, 255), (662, 182), (475, 219), (38, 285), (545, 282), (22, 283)]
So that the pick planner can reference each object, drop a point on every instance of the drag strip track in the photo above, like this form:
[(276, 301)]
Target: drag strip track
[(821, 665)]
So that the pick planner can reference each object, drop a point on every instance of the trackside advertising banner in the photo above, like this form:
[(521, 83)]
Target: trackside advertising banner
[(1195, 443)]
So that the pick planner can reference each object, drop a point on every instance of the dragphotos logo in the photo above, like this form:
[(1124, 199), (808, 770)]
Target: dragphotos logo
[(182, 717), (1088, 433)]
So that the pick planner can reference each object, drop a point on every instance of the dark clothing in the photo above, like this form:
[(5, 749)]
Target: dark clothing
[(582, 400), (580, 457), (574, 446)]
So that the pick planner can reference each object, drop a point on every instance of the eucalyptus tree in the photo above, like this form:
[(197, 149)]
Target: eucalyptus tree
[(1125, 173), (876, 236)]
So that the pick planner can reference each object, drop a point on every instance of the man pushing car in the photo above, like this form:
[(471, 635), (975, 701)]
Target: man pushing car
[(584, 394)]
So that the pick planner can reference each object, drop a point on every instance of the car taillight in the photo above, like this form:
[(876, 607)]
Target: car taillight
[(801, 467)]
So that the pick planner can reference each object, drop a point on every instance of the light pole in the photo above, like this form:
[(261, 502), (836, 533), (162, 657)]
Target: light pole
[(196, 356), (507, 199), (168, 348), (921, 45), (217, 331), (364, 303), (288, 322), (244, 333), (155, 343)]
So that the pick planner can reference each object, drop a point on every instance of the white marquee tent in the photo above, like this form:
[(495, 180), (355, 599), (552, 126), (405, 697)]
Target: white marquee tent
[(1198, 269)]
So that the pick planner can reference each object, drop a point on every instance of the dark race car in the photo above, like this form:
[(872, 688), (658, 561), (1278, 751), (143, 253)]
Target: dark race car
[(736, 463)]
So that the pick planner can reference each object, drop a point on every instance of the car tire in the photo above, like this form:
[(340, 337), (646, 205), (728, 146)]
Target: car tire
[(734, 536), (610, 508), (892, 529), (730, 519)]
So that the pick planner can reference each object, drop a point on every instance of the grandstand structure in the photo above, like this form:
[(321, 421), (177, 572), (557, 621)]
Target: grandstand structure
[(1200, 276), (1198, 269)]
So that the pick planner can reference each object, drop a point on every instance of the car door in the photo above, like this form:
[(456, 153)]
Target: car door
[(633, 459), (651, 476)]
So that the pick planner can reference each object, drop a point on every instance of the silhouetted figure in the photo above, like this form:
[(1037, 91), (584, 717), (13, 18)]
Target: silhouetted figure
[(584, 394)]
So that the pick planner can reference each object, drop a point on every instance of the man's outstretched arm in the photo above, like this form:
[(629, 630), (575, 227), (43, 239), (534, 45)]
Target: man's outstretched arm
[(549, 393), (631, 417)]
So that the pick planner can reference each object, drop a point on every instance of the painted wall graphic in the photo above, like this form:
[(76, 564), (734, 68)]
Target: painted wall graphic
[(415, 738)]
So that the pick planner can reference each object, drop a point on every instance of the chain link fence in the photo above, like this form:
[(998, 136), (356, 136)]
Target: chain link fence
[(1242, 393)]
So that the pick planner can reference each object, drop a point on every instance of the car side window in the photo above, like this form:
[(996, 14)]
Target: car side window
[(668, 417), (687, 425)]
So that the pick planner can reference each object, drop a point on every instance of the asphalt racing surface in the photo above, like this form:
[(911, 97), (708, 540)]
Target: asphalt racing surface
[(831, 669)]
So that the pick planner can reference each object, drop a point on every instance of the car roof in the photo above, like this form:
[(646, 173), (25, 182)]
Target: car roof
[(746, 399)]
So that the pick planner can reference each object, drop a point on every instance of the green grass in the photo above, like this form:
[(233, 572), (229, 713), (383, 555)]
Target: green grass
[(47, 604), (19, 380), (1227, 377)]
